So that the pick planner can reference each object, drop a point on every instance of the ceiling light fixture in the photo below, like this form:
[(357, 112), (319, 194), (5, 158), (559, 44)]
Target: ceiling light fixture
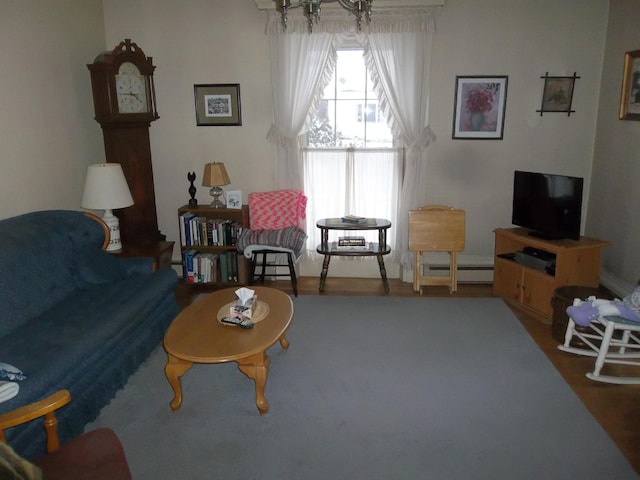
[(311, 10)]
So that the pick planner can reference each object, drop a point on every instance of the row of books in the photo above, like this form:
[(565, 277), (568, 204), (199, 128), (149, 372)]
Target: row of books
[(204, 231), (202, 267)]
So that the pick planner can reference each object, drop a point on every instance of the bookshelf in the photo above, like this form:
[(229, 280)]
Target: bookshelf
[(208, 245)]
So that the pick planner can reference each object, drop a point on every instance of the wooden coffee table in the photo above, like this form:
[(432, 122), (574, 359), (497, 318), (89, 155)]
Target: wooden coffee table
[(196, 336)]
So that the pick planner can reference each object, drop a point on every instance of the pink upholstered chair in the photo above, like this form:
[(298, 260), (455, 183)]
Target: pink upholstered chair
[(277, 221), (95, 455)]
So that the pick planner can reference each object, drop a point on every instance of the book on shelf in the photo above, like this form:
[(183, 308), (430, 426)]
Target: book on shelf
[(208, 232), (207, 267), (351, 242), (335, 246), (354, 219)]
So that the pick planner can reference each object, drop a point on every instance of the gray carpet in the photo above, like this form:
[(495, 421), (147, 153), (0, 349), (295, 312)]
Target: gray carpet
[(372, 388)]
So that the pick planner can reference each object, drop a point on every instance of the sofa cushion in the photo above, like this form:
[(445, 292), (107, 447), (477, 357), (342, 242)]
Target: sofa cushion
[(97, 266), (38, 254), (85, 326)]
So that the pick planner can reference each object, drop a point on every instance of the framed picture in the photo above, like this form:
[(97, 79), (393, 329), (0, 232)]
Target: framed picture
[(234, 199), (217, 104), (630, 98), (479, 107), (557, 94)]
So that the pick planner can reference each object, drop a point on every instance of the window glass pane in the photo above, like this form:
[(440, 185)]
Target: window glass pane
[(350, 131), (349, 107), (351, 74)]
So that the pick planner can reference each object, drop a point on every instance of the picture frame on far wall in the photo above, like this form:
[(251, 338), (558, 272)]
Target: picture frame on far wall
[(217, 104), (234, 199), (630, 97), (557, 94), (479, 107)]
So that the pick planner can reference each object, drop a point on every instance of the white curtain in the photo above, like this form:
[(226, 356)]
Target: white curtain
[(301, 65), (398, 55), (365, 174)]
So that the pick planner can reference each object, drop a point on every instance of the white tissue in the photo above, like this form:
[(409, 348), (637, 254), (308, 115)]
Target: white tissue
[(245, 296)]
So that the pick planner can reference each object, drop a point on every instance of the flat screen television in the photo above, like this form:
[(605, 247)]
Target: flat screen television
[(548, 205)]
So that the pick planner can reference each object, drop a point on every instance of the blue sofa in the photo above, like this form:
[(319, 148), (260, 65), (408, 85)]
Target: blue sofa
[(73, 316)]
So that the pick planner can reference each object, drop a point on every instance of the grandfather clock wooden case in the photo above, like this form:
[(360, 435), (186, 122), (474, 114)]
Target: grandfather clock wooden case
[(125, 105)]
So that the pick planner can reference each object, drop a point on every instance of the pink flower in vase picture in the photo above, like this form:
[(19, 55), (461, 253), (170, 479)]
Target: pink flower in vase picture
[(480, 113)]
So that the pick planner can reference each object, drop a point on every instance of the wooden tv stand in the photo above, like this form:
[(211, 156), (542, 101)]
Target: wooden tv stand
[(532, 287)]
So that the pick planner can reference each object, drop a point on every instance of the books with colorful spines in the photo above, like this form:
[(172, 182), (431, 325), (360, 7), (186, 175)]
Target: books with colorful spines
[(353, 219), (193, 230), (210, 232), (188, 265), (185, 233)]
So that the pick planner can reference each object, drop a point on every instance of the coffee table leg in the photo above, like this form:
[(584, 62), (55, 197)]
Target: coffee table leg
[(256, 367), (173, 370), (284, 343)]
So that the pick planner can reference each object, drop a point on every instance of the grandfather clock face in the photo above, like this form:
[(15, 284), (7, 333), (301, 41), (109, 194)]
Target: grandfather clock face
[(131, 89), (124, 103)]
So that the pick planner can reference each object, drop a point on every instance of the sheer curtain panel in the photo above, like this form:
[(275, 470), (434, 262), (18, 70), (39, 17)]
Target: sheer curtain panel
[(357, 176), (301, 65), (398, 55)]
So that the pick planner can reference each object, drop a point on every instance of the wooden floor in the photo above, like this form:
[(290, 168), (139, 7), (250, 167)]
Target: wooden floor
[(616, 407)]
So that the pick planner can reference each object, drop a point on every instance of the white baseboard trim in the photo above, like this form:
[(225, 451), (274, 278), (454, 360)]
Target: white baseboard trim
[(617, 286), (471, 268)]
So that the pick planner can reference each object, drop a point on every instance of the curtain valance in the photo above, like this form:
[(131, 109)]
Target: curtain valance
[(341, 21)]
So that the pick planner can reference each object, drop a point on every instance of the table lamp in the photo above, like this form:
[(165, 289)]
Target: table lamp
[(215, 175), (105, 188)]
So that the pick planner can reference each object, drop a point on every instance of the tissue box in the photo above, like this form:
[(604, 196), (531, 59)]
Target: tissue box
[(240, 310)]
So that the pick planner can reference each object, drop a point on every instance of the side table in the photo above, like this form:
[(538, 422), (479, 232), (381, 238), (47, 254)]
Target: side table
[(377, 249), (161, 252)]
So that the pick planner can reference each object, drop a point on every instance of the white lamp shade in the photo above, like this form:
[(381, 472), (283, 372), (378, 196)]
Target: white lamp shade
[(105, 188)]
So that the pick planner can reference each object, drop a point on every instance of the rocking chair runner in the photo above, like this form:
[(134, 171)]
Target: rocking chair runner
[(277, 221), (601, 342)]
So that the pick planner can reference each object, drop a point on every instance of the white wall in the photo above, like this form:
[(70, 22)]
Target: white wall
[(223, 42), (524, 40), (47, 132), (615, 197), (200, 42), (47, 129)]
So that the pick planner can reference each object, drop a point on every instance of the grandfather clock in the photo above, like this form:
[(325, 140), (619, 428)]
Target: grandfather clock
[(125, 105)]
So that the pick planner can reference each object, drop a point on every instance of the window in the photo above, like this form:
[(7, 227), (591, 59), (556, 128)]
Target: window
[(348, 114), (349, 164)]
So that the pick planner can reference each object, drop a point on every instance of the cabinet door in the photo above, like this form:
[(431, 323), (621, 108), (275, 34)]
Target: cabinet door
[(537, 291), (507, 279)]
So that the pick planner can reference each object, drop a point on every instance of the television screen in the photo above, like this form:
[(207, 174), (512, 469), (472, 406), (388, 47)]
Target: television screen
[(549, 205)]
